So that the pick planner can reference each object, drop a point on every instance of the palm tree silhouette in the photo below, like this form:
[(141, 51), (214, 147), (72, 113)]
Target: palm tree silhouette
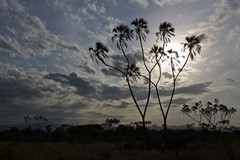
[(165, 32), (193, 45), (122, 34), (99, 53), (141, 27), (133, 72), (157, 52)]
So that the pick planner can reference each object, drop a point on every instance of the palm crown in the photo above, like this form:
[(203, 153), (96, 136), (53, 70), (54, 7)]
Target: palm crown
[(157, 52), (165, 32), (193, 44), (121, 34), (100, 52), (141, 27), (133, 72)]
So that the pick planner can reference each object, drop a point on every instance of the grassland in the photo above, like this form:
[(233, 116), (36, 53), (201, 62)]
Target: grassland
[(93, 143), (108, 151)]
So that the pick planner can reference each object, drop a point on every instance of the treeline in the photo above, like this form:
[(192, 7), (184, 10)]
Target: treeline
[(128, 136)]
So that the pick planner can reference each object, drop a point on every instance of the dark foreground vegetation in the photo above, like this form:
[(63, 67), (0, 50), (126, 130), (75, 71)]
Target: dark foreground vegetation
[(94, 142)]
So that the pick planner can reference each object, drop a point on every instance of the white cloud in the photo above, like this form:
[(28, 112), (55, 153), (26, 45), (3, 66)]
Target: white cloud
[(222, 13), (170, 2), (12, 5), (10, 45), (233, 35), (143, 3)]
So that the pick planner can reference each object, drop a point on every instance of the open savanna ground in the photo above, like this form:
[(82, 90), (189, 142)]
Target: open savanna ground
[(107, 151), (116, 145)]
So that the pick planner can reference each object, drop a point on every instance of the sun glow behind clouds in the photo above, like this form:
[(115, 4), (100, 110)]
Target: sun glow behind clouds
[(177, 46)]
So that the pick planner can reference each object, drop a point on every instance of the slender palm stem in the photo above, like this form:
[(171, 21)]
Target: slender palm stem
[(134, 99), (143, 54), (115, 68), (128, 63)]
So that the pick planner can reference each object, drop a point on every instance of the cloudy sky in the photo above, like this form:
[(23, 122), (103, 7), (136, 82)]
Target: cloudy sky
[(46, 69)]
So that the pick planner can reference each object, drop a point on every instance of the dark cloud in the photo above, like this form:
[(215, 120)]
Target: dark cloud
[(119, 61), (179, 101), (83, 86), (97, 115), (234, 4), (197, 88), (193, 89), (167, 75), (230, 80), (86, 68), (122, 105), (12, 88), (111, 72), (113, 93)]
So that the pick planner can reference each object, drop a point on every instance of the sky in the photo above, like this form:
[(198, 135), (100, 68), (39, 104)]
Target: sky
[(46, 69)]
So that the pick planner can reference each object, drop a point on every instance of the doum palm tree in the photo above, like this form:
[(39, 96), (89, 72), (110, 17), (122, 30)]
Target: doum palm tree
[(165, 32), (140, 30), (193, 45), (121, 34), (99, 53)]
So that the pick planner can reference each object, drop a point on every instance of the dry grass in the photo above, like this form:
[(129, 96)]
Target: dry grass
[(107, 151)]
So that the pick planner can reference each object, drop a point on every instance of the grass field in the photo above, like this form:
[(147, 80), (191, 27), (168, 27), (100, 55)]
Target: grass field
[(109, 151)]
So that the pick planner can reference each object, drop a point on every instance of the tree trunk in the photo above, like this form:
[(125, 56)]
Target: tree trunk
[(144, 131), (165, 123)]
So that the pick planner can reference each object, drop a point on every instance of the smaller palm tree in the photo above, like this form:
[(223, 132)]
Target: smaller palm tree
[(156, 53), (132, 71), (193, 45), (99, 53), (165, 32)]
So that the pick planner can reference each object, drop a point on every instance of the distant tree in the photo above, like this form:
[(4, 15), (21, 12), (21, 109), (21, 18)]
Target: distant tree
[(27, 121), (111, 123), (139, 124), (48, 128), (37, 120), (158, 55), (212, 116)]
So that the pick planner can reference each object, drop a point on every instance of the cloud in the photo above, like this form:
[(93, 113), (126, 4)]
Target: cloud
[(63, 44), (233, 36), (179, 101), (122, 105), (29, 33), (113, 93), (230, 80), (143, 3), (167, 75), (25, 92), (12, 88), (119, 61), (95, 24), (170, 2), (193, 89), (9, 45), (83, 86), (32, 24), (222, 13), (12, 5)]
